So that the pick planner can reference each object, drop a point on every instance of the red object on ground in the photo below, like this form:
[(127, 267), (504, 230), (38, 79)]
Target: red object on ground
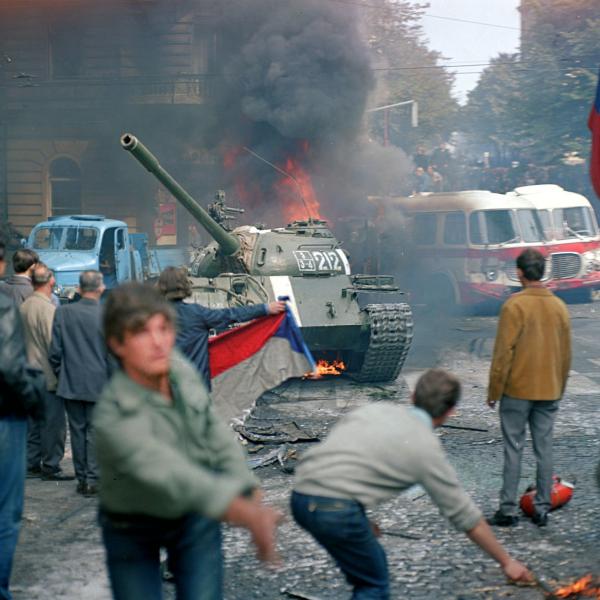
[(562, 492)]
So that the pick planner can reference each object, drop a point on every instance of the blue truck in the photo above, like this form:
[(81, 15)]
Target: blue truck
[(74, 243)]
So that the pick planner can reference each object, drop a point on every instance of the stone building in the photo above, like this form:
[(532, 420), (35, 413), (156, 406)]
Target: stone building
[(74, 75)]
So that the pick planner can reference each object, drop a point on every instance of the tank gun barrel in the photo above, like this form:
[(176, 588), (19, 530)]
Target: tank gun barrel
[(228, 243)]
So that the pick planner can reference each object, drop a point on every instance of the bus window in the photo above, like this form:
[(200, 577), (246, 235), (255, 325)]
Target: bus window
[(573, 222), (546, 221), (425, 229), (455, 228), (498, 227), (531, 228), (475, 228)]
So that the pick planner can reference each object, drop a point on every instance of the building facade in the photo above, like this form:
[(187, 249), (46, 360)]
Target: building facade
[(74, 76)]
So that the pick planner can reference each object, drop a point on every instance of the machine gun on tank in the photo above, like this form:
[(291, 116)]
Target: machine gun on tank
[(222, 213)]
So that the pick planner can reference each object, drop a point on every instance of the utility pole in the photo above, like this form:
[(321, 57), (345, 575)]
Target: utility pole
[(414, 116)]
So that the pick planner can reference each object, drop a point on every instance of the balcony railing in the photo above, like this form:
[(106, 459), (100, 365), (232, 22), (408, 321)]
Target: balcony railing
[(56, 94)]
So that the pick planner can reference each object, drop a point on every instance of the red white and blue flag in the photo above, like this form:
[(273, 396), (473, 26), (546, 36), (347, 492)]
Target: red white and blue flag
[(251, 359), (594, 125)]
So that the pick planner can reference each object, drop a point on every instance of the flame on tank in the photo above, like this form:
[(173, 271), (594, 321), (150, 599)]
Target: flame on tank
[(324, 367)]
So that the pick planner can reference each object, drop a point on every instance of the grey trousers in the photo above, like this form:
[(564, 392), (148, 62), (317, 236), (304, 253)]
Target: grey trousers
[(83, 441), (515, 414), (46, 435)]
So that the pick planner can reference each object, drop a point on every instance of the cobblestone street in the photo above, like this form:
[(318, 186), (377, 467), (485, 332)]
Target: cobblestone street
[(60, 555)]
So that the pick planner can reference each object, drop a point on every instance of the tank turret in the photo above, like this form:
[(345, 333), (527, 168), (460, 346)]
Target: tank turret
[(228, 243)]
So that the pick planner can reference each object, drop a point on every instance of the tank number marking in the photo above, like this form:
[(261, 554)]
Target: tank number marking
[(318, 260)]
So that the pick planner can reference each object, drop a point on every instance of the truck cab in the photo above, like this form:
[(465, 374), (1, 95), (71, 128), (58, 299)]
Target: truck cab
[(75, 243)]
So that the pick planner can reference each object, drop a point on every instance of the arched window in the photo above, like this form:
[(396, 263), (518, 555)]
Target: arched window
[(65, 187)]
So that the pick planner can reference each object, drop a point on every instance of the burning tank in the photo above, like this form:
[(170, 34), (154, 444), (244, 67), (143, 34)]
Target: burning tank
[(340, 314)]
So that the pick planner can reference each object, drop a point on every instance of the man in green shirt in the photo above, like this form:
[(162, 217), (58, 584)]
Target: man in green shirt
[(170, 471)]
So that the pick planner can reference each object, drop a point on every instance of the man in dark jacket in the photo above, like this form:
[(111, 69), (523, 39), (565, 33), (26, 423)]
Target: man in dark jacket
[(194, 321), (78, 357), (21, 391), (18, 286)]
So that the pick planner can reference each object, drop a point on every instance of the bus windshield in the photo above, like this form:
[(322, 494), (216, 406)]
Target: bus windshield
[(573, 222), (530, 225)]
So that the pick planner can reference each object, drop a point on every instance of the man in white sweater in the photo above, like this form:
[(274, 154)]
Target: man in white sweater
[(372, 454)]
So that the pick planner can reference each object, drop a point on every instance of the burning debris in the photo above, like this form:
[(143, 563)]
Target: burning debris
[(324, 368), (586, 587)]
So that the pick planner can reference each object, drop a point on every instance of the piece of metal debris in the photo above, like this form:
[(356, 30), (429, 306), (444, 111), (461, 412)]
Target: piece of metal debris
[(290, 593), (463, 427), (403, 534), (276, 434), (282, 454)]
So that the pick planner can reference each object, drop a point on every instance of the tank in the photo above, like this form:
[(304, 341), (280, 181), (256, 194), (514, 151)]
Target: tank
[(357, 319)]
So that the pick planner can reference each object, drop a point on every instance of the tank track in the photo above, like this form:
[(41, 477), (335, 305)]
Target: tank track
[(391, 335)]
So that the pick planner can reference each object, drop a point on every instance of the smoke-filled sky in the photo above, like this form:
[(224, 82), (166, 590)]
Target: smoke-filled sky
[(471, 43)]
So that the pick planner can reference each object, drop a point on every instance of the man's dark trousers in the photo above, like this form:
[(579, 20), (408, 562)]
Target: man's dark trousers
[(83, 443), (515, 414), (194, 552), (13, 432), (342, 528), (46, 436)]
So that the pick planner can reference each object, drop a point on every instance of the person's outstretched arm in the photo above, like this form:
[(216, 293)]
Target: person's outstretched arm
[(484, 537)]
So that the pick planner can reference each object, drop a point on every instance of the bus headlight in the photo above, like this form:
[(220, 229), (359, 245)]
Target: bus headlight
[(491, 274), (590, 261)]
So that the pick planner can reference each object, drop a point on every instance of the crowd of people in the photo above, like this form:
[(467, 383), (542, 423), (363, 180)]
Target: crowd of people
[(441, 170), (131, 373)]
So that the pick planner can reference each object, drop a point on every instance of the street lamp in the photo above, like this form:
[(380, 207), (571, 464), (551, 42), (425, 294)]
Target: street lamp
[(414, 116)]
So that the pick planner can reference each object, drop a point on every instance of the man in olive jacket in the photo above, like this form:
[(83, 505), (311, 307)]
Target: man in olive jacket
[(528, 375), (46, 437), (170, 470)]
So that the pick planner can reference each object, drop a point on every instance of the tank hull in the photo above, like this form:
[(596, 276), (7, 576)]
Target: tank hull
[(373, 341)]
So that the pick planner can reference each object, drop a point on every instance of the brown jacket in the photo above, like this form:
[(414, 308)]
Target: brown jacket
[(38, 315), (532, 354)]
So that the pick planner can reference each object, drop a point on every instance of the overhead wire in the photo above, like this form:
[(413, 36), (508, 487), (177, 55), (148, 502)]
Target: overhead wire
[(429, 15)]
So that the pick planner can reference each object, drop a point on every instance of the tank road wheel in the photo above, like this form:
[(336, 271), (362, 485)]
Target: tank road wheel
[(391, 334)]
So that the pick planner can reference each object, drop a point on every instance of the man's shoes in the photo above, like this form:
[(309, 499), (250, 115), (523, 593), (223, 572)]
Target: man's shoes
[(34, 472), (501, 520), (540, 519), (58, 475), (81, 487), (91, 490)]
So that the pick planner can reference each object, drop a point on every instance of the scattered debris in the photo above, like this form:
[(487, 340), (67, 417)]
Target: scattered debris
[(282, 454), (276, 434), (403, 534), (296, 594), (464, 428), (254, 448)]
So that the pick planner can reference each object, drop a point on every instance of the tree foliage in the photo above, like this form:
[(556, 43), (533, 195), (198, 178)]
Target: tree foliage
[(407, 70), (535, 104)]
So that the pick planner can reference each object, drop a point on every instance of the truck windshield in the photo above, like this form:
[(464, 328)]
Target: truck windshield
[(80, 238), (492, 227), (573, 222), (530, 225), (48, 238)]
